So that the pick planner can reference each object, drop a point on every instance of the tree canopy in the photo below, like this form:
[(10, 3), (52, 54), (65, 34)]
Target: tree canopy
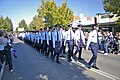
[(112, 6), (6, 24), (22, 24), (50, 14)]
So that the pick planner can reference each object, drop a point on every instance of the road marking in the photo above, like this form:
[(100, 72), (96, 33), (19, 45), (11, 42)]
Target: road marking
[(112, 77)]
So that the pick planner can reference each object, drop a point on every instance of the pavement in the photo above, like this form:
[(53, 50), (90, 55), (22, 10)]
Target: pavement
[(31, 65)]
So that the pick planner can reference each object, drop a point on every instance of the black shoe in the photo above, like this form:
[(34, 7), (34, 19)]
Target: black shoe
[(95, 67), (88, 66), (80, 59), (69, 60), (58, 62)]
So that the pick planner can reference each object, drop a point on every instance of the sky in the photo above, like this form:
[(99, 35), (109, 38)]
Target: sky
[(17, 10)]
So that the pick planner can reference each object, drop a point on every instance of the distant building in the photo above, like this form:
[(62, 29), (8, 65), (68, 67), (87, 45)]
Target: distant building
[(83, 20), (105, 17)]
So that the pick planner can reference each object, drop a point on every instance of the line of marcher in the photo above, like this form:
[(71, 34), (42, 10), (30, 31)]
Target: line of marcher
[(54, 42)]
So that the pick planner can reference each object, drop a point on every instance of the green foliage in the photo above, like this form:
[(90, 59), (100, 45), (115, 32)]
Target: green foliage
[(22, 24), (6, 24), (112, 6), (52, 14), (37, 23)]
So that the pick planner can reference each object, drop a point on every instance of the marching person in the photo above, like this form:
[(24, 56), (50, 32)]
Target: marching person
[(80, 41), (44, 41), (40, 40), (69, 39), (50, 42), (57, 44), (62, 31), (93, 44)]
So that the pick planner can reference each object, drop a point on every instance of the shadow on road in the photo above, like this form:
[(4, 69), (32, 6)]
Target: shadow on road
[(30, 65)]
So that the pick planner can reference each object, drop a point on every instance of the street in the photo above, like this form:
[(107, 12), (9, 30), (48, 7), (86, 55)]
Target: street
[(31, 65)]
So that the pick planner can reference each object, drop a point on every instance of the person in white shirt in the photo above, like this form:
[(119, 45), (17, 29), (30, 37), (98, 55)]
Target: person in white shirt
[(80, 41), (3, 43), (50, 42), (69, 39), (93, 44), (57, 44), (44, 41)]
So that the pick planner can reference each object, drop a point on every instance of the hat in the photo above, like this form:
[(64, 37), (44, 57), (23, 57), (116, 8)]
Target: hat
[(45, 28), (69, 25), (97, 25), (79, 25), (56, 25), (50, 27)]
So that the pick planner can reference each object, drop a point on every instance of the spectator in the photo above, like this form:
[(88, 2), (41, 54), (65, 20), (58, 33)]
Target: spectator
[(106, 41)]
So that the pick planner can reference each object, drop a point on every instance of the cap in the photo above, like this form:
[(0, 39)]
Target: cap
[(45, 28), (56, 25), (79, 25), (50, 27), (69, 25), (97, 25)]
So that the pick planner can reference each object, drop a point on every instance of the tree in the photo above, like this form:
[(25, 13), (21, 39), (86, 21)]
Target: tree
[(22, 24), (54, 14), (37, 23), (112, 6), (6, 24)]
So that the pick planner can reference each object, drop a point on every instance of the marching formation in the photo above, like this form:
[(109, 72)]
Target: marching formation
[(53, 42)]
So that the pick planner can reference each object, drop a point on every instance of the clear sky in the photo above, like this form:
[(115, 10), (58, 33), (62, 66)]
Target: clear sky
[(17, 10)]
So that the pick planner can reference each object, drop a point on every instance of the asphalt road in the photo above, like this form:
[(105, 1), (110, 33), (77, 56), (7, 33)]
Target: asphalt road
[(30, 65)]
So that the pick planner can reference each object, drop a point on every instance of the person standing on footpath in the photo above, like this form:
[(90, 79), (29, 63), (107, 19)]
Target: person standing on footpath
[(80, 41), (93, 44)]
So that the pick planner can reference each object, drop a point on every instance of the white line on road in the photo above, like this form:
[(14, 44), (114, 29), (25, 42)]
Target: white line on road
[(112, 77)]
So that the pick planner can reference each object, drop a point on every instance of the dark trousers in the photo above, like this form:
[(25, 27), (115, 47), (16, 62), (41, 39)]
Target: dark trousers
[(44, 47), (94, 49), (2, 53), (9, 60), (70, 48), (63, 47), (79, 49), (57, 51), (50, 49)]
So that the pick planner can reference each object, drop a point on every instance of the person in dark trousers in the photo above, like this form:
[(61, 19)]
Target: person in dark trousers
[(93, 44), (69, 39), (80, 41), (44, 41), (57, 44), (50, 42), (62, 31)]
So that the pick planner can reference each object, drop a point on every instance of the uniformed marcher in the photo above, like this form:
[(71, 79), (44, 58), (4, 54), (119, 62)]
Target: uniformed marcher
[(69, 39), (57, 44), (80, 41), (62, 31), (50, 42), (93, 45), (44, 41), (40, 41)]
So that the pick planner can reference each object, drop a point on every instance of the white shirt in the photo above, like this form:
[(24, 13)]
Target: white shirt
[(3, 42), (92, 38), (55, 37), (49, 36), (77, 36)]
